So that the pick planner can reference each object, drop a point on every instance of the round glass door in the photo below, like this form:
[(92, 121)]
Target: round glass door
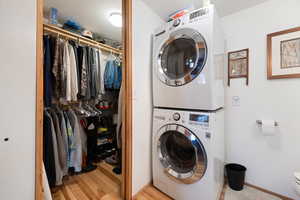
[(181, 154), (182, 57)]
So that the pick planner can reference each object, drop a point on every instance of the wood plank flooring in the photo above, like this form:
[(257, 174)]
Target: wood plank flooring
[(100, 184), (151, 193)]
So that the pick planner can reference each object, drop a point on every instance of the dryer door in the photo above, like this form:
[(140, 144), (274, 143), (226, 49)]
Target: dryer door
[(182, 57), (181, 153)]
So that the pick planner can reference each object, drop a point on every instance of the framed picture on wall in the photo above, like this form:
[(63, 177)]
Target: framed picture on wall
[(238, 65), (284, 54)]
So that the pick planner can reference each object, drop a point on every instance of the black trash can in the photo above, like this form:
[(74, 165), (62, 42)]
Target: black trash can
[(236, 176)]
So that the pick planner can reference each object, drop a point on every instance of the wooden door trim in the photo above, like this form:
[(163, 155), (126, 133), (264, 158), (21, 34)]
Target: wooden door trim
[(39, 113), (127, 114)]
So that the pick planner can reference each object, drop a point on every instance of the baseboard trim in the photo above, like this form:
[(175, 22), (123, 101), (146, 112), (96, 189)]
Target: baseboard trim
[(269, 192)]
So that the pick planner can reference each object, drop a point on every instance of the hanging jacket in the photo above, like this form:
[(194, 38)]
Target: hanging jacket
[(48, 155), (58, 170), (118, 77), (109, 74), (60, 142)]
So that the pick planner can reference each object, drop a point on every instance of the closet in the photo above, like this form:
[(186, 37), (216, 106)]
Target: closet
[(82, 143)]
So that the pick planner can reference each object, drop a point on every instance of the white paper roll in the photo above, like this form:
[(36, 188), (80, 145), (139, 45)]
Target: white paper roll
[(268, 127)]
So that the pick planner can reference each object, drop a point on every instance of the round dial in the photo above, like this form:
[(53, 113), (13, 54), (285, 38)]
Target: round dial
[(176, 22), (176, 116)]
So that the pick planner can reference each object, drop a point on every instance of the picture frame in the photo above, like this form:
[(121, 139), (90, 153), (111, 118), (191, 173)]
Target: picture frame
[(283, 54), (238, 65)]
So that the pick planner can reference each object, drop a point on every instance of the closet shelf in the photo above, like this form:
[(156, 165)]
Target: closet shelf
[(80, 39)]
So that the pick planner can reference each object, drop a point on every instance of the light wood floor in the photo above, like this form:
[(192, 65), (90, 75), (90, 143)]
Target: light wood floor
[(100, 184), (151, 193)]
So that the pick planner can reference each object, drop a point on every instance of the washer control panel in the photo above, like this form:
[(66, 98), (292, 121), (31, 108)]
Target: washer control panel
[(199, 119)]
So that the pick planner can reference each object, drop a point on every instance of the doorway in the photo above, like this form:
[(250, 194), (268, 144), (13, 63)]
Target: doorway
[(75, 181)]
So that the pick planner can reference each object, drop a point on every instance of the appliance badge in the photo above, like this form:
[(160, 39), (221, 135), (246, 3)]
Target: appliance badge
[(199, 13)]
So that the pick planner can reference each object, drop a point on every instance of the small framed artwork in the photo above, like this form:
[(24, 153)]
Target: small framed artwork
[(284, 54), (238, 65)]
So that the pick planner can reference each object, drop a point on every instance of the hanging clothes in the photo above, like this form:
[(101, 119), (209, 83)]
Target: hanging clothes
[(47, 72), (76, 147), (102, 70), (60, 141), (56, 68), (48, 150), (63, 128), (112, 75), (73, 75), (58, 170)]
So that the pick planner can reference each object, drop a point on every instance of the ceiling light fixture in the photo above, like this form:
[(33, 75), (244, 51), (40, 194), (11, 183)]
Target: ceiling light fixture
[(115, 19)]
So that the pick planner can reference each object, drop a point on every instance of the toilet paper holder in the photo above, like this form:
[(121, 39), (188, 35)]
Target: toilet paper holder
[(259, 122)]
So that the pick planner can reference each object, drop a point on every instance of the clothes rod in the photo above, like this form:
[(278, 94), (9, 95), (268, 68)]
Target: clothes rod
[(61, 32)]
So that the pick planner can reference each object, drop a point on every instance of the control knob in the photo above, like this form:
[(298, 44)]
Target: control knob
[(176, 22), (176, 116)]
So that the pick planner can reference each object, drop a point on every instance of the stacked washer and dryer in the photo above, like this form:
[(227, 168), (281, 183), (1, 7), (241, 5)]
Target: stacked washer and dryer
[(188, 96)]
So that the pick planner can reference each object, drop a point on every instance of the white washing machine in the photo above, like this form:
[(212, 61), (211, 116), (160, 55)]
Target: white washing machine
[(188, 153), (188, 62)]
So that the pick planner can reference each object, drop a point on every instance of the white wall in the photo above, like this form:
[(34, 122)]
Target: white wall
[(271, 161), (144, 23), (17, 104)]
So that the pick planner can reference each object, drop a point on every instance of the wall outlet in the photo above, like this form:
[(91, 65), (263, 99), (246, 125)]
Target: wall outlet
[(236, 101)]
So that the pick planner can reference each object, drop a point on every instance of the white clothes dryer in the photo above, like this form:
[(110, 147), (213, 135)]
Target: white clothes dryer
[(188, 153), (188, 62)]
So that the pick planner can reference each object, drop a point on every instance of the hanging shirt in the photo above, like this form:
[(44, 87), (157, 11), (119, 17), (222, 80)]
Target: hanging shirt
[(56, 69), (67, 68), (102, 69), (47, 72), (73, 75), (76, 153), (97, 71), (93, 64), (63, 69), (71, 146)]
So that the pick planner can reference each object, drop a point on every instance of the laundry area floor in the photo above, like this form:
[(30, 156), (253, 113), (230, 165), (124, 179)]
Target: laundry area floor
[(248, 193), (100, 184)]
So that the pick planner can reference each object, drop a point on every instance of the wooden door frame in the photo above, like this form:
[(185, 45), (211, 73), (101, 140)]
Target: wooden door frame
[(127, 99)]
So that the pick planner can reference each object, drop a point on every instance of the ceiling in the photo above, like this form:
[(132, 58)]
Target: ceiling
[(224, 7), (91, 14)]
